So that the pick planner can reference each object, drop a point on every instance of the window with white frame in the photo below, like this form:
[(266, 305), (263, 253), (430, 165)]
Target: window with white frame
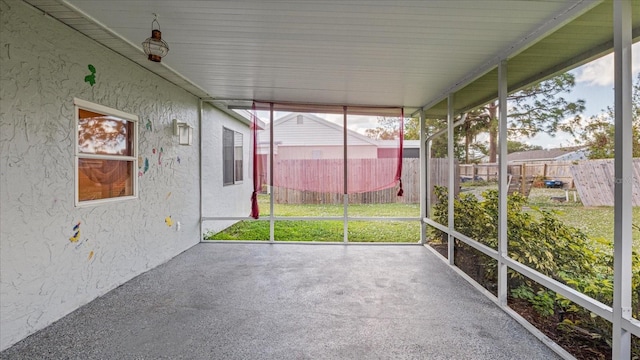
[(232, 150), (106, 154)]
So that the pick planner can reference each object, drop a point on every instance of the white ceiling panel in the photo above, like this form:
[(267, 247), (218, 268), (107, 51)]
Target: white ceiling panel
[(385, 52)]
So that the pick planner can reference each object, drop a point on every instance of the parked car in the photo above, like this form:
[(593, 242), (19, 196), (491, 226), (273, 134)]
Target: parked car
[(558, 184), (469, 178)]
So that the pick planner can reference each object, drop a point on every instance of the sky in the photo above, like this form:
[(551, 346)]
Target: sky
[(594, 84)]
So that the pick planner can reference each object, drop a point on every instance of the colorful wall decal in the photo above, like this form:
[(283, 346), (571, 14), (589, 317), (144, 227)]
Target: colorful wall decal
[(160, 156), (153, 150), (146, 165), (178, 159), (169, 195), (148, 125), (76, 235), (168, 221), (90, 255), (91, 78)]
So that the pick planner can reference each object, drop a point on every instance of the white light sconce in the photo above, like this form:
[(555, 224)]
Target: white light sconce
[(183, 131)]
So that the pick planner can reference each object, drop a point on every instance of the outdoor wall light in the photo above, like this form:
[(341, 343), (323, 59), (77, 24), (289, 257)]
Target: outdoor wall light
[(183, 131), (155, 47)]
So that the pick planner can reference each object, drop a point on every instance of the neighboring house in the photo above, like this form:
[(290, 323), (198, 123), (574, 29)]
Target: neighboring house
[(573, 153), (308, 136), (410, 148), (308, 152)]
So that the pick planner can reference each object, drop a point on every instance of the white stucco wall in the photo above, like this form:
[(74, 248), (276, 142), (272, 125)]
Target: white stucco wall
[(220, 200), (43, 275)]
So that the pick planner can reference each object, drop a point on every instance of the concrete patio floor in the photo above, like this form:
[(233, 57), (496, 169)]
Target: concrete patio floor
[(289, 301)]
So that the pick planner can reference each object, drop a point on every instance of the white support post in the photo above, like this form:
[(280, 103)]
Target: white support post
[(622, 247), (452, 174), (502, 184), (346, 192), (429, 182), (200, 116), (424, 188), (271, 215)]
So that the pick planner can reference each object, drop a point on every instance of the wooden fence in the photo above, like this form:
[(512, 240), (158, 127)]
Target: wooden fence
[(332, 188), (595, 181), (551, 170), (487, 172)]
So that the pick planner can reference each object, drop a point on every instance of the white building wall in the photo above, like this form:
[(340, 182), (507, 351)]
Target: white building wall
[(43, 275), (219, 200), (313, 131)]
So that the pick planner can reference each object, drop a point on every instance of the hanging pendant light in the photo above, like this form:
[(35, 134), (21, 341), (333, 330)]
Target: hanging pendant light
[(155, 47)]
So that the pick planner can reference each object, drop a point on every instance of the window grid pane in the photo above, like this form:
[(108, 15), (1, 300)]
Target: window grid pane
[(104, 134), (227, 156), (105, 154), (104, 179), (238, 157)]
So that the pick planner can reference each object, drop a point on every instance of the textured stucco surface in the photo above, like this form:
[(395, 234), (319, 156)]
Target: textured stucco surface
[(44, 276)]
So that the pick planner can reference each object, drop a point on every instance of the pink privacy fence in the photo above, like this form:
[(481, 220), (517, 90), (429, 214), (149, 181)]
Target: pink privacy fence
[(438, 173), (310, 145), (327, 175)]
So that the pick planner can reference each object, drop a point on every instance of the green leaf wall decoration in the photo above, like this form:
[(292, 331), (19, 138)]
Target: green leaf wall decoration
[(91, 78)]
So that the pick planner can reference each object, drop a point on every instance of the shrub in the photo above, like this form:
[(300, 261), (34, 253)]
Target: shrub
[(538, 239)]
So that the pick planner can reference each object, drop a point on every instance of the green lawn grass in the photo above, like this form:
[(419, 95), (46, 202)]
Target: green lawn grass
[(317, 210), (323, 231), (595, 222)]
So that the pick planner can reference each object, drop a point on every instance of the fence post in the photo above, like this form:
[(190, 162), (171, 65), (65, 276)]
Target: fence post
[(523, 177)]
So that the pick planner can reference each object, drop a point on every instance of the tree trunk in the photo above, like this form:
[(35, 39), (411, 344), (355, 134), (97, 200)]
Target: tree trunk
[(493, 132), (467, 142)]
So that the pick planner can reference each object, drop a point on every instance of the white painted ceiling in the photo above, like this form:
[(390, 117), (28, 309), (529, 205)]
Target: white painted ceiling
[(346, 52)]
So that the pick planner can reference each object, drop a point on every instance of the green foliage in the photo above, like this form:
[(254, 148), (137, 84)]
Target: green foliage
[(542, 301), (439, 147), (388, 127), (412, 128), (540, 108), (517, 146), (599, 134), (540, 240)]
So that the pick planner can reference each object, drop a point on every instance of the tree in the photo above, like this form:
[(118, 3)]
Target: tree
[(474, 125), (599, 134), (439, 144), (533, 110), (387, 129), (517, 146), (412, 128), (539, 108)]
